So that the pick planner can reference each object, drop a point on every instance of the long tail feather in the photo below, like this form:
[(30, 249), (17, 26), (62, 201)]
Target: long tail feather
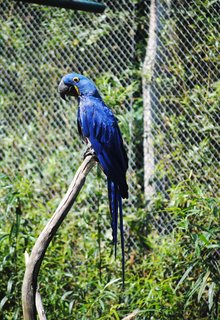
[(122, 239), (115, 204)]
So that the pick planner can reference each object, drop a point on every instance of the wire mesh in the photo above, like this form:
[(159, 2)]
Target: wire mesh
[(185, 97), (38, 46), (38, 131)]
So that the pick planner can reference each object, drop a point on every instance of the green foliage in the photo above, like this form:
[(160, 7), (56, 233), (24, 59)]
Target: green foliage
[(171, 277), (197, 216), (174, 276), (187, 87)]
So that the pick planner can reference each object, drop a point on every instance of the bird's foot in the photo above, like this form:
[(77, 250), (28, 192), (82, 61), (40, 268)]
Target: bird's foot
[(89, 152)]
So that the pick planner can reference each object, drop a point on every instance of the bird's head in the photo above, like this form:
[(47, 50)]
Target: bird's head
[(74, 84)]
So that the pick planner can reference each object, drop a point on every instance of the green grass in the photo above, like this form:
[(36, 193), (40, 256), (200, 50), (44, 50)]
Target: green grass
[(175, 276)]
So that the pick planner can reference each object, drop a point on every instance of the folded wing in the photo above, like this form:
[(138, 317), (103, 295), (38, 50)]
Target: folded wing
[(100, 126)]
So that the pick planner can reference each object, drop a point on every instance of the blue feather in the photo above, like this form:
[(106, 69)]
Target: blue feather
[(122, 240), (115, 204), (97, 123)]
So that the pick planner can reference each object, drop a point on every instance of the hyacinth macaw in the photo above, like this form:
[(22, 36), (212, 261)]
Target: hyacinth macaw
[(98, 126)]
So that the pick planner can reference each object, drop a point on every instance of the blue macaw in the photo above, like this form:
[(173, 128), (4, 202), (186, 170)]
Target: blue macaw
[(99, 127)]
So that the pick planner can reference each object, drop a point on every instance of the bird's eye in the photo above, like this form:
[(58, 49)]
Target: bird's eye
[(76, 79)]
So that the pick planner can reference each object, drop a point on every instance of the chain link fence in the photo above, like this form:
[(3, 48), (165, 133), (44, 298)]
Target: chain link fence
[(184, 97), (38, 131), (38, 46)]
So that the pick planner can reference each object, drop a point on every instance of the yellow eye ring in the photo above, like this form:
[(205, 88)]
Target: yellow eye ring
[(76, 79)]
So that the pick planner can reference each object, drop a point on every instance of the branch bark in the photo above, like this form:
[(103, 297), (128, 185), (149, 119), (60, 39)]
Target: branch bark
[(132, 315), (29, 287), (39, 306)]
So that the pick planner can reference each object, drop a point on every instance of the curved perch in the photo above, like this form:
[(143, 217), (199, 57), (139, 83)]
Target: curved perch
[(29, 287)]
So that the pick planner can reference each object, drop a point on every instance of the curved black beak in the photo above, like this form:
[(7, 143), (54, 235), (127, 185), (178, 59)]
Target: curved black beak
[(65, 90)]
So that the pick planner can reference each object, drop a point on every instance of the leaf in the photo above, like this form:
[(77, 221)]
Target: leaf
[(195, 288), (111, 282), (71, 306), (211, 294), (204, 238), (4, 236), (212, 2), (115, 314), (66, 294), (3, 302), (102, 305), (9, 286), (213, 246), (187, 272), (203, 285)]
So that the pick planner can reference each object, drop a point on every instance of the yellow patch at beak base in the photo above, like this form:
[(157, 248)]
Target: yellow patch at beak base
[(77, 89)]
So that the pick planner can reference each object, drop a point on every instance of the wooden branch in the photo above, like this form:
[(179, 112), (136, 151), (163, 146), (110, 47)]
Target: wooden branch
[(132, 315), (33, 263), (38, 301), (39, 306)]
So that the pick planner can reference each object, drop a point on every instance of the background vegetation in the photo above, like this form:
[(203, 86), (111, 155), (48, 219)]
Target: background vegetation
[(171, 276)]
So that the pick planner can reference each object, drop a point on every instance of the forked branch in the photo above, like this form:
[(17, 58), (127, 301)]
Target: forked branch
[(29, 287)]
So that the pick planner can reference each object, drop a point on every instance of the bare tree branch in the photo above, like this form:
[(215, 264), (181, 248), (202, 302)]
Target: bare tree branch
[(33, 263), (38, 300)]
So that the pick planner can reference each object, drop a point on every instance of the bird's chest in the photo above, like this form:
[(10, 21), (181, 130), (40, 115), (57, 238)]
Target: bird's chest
[(79, 123), (96, 122), (85, 120)]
